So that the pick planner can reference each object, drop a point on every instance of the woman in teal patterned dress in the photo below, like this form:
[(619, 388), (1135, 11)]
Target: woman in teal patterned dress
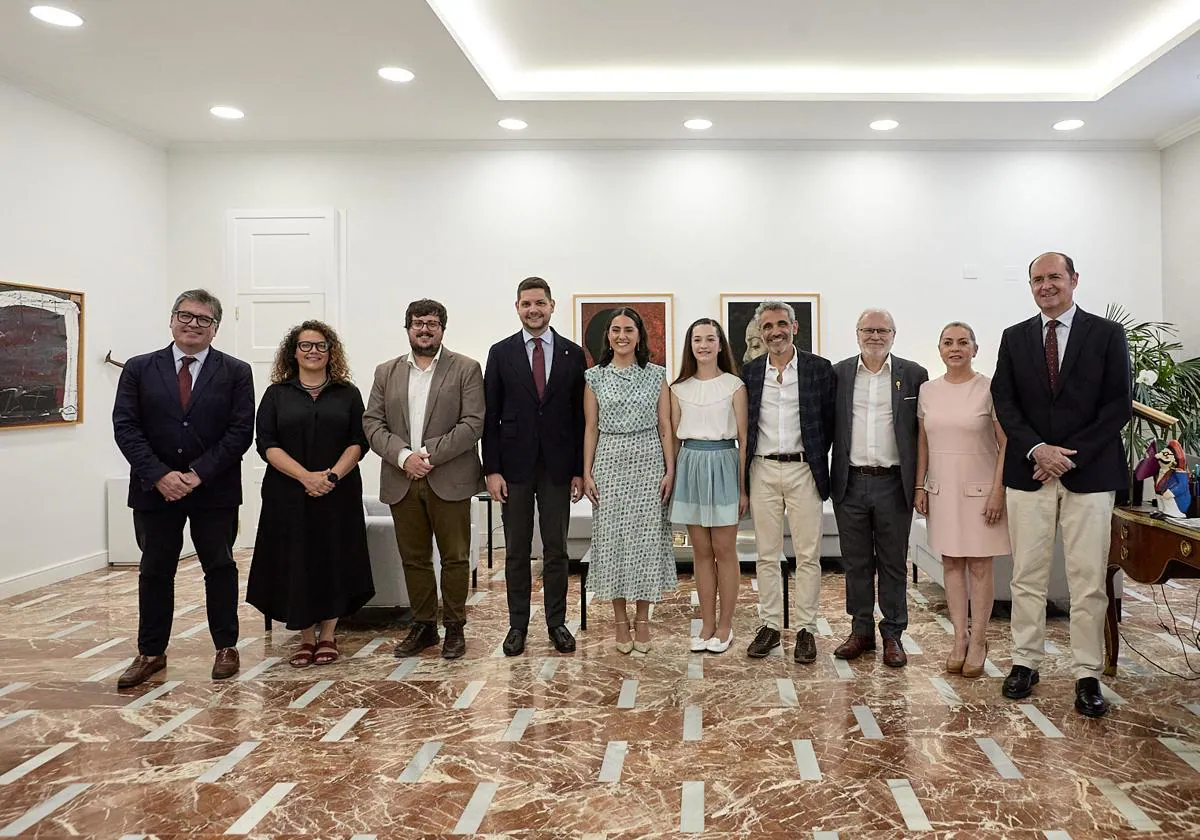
[(628, 478)]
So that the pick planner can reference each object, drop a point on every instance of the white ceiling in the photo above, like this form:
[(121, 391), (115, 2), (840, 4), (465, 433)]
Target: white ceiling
[(951, 71)]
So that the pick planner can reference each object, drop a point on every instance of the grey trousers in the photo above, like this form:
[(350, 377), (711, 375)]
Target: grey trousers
[(874, 520)]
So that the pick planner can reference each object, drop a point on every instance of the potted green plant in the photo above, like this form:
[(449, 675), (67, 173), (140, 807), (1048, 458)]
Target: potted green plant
[(1161, 381)]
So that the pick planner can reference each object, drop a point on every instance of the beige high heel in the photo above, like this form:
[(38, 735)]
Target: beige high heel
[(624, 647), (641, 647)]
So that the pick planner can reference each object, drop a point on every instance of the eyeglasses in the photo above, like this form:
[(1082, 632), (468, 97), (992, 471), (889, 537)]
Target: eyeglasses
[(185, 317), (309, 346), (425, 325), (879, 331)]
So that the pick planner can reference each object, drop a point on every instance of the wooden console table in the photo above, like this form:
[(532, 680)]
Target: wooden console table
[(1149, 551)]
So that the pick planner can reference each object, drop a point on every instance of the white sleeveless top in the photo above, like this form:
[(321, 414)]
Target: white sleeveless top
[(706, 407)]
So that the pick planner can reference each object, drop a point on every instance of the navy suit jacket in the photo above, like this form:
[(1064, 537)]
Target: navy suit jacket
[(518, 428), (908, 376), (1087, 411), (157, 436), (815, 391)]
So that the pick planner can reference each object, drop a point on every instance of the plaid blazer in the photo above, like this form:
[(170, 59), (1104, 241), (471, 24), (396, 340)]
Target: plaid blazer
[(815, 391)]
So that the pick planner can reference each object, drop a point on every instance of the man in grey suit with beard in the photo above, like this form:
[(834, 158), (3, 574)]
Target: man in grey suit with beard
[(424, 419), (873, 483)]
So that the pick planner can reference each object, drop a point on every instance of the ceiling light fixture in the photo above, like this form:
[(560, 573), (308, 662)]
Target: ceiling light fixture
[(226, 112), (513, 124), (884, 125), (1068, 125), (56, 16), (698, 124), (396, 74)]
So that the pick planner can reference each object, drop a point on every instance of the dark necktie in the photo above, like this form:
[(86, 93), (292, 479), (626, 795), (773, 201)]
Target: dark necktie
[(185, 380), (539, 368), (1052, 353)]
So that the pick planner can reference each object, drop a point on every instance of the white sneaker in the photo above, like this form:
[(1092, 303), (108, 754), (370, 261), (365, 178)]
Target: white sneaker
[(698, 644), (715, 645)]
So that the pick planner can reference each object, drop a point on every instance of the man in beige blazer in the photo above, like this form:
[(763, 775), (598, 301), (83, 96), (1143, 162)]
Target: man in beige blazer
[(424, 419)]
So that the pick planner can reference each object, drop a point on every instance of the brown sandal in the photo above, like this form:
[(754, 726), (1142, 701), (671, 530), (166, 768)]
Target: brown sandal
[(327, 652), (303, 657)]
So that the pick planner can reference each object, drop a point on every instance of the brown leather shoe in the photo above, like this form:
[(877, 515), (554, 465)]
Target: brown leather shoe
[(141, 670), (854, 646), (455, 643), (226, 663), (893, 654)]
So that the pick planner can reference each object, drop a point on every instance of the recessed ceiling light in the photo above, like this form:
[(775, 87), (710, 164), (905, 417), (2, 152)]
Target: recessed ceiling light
[(884, 125), (56, 16), (226, 112), (1068, 125), (513, 124), (698, 124), (396, 74)]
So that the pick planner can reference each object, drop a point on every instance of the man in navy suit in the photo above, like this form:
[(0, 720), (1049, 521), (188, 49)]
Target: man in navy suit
[(533, 452), (183, 417), (1063, 394), (790, 428)]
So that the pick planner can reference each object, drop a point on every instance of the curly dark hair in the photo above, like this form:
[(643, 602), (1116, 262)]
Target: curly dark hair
[(286, 367)]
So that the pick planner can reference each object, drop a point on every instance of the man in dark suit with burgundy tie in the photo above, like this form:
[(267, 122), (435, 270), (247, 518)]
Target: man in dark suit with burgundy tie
[(1062, 394), (533, 452), (183, 417)]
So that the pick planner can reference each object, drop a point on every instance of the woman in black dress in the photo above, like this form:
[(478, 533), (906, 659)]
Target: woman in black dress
[(310, 564)]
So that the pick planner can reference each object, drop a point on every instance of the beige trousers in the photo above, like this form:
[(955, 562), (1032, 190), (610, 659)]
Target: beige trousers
[(1033, 520), (775, 489)]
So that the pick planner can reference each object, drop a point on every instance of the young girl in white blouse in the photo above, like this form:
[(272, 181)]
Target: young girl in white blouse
[(708, 413)]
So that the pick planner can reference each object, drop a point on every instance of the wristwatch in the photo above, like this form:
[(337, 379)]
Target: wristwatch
[(331, 477)]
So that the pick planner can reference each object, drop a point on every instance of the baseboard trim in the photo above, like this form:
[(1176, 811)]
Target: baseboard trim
[(22, 583)]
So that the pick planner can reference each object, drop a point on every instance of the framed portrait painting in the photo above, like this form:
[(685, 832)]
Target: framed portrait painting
[(594, 312), (41, 356), (737, 312)]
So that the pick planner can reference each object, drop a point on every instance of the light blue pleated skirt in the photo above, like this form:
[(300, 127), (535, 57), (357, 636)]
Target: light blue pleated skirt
[(706, 484)]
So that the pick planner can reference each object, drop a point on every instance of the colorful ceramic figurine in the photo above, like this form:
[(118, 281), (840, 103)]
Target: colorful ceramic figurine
[(1174, 497)]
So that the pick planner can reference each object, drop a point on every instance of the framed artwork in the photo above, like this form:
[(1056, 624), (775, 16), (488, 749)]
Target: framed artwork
[(41, 357), (737, 313), (593, 313)]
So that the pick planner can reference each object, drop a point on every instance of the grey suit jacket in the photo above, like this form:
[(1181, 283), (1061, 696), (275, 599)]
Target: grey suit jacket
[(907, 377), (453, 426)]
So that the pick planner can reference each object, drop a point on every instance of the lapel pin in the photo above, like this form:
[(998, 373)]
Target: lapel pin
[(897, 384)]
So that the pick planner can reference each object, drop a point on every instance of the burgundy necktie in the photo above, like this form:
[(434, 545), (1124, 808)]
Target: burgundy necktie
[(539, 368), (185, 380), (1052, 353)]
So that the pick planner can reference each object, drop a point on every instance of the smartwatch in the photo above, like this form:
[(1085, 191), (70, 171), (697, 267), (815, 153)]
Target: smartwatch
[(331, 477)]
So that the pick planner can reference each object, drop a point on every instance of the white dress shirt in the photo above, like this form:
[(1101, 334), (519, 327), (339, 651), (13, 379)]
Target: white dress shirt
[(196, 365), (1063, 331), (779, 413), (873, 435), (418, 400), (547, 339)]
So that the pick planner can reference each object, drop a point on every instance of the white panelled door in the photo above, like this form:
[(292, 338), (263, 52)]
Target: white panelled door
[(285, 268)]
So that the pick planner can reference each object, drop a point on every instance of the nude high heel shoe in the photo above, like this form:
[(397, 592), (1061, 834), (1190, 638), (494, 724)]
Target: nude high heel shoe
[(641, 647), (624, 647)]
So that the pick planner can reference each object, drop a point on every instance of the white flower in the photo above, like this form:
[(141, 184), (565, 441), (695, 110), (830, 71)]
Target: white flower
[(1147, 377)]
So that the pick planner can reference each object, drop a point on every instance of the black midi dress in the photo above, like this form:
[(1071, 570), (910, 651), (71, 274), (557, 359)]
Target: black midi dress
[(310, 559)]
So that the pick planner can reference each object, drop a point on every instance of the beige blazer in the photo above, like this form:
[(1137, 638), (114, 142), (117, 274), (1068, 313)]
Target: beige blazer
[(453, 426)]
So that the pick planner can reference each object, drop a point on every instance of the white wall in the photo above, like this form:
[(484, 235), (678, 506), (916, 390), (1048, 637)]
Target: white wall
[(84, 208), (1181, 240)]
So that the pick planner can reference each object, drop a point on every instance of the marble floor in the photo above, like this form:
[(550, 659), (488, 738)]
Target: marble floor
[(590, 745)]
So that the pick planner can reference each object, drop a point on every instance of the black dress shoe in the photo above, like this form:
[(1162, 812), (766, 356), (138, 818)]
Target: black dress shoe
[(806, 648), (1088, 699), (1019, 683), (455, 643), (564, 642), (766, 640), (514, 642), (420, 636)]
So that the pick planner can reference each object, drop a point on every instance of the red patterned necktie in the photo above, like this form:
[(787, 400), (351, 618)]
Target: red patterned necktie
[(185, 380), (1052, 353), (539, 368)]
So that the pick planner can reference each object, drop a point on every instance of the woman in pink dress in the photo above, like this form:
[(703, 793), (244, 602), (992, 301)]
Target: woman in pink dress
[(960, 455)]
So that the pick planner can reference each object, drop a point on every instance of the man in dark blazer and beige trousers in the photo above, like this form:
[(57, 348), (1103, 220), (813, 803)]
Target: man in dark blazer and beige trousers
[(1062, 393), (873, 483), (424, 419)]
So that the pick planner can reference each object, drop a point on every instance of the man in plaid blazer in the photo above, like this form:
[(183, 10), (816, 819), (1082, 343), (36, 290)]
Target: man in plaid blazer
[(790, 428)]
